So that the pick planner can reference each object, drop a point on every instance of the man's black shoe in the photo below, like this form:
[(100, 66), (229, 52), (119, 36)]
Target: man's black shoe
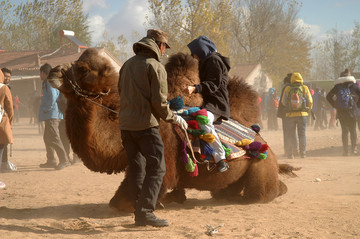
[(47, 165), (222, 166), (151, 221), (62, 165)]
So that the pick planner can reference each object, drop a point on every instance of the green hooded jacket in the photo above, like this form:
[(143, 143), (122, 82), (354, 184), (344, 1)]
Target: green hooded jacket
[(143, 89)]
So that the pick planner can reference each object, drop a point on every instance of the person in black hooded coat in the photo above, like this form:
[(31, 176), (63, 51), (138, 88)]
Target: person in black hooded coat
[(214, 78)]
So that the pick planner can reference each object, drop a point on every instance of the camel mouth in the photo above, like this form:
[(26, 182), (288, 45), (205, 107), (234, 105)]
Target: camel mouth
[(55, 77), (55, 82)]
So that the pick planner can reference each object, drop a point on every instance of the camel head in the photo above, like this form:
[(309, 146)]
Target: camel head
[(182, 71), (92, 74)]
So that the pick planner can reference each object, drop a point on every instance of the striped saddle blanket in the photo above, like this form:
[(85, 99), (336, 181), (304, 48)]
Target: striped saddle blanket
[(229, 132)]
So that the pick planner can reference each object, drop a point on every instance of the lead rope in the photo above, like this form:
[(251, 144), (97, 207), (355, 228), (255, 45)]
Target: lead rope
[(77, 89), (193, 155), (103, 106)]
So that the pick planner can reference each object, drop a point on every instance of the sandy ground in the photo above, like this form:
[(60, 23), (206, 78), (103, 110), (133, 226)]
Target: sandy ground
[(73, 203)]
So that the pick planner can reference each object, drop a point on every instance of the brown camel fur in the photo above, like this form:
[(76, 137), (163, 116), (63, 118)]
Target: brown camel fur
[(94, 134)]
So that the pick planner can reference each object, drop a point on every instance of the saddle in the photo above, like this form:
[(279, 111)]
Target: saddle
[(229, 131)]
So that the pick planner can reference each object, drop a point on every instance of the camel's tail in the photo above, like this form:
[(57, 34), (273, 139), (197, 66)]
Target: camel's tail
[(287, 169)]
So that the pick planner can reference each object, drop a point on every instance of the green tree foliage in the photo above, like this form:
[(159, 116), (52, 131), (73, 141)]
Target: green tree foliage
[(35, 25)]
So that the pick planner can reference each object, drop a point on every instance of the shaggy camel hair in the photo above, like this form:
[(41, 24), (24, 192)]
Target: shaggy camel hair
[(90, 86)]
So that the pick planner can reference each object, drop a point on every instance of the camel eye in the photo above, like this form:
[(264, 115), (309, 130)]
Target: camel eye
[(84, 70)]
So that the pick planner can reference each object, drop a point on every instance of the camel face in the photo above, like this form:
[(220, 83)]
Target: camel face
[(56, 77), (90, 86), (91, 75), (182, 72)]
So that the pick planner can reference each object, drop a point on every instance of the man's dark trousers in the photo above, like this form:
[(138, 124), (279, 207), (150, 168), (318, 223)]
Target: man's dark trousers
[(145, 153)]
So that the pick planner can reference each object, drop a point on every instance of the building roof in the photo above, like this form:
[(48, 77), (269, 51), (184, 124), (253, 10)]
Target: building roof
[(243, 70), (27, 63)]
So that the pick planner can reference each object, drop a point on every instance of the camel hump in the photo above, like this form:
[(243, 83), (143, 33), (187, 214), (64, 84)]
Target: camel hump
[(287, 169)]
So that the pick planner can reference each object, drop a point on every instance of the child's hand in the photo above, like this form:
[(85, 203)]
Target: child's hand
[(189, 90)]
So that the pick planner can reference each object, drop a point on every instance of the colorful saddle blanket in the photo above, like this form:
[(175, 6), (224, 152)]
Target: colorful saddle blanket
[(229, 132)]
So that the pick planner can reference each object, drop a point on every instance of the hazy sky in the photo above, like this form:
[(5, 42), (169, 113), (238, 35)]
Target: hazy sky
[(124, 16)]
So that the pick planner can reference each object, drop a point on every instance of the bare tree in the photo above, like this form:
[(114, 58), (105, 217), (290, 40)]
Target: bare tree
[(336, 53), (35, 25), (186, 20), (268, 32), (117, 47)]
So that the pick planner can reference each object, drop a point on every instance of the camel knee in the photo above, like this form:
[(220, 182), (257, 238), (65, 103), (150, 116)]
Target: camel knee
[(177, 195), (122, 200)]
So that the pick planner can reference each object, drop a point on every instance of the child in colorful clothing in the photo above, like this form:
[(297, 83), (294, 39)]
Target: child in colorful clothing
[(213, 70)]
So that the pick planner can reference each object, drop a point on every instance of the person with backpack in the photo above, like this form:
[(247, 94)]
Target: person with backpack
[(342, 97), (298, 102), (281, 114)]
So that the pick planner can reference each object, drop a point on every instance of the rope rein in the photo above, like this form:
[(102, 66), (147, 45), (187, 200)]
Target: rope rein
[(193, 155), (86, 94)]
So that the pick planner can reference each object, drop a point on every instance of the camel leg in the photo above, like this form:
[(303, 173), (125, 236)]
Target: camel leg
[(122, 200), (176, 195), (282, 188), (258, 185), (262, 185), (232, 192)]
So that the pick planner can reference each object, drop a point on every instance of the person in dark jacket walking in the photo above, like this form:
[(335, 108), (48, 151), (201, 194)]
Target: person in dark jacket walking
[(347, 114), (143, 101), (213, 70)]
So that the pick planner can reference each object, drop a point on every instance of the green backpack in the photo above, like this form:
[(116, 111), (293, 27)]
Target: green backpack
[(296, 98)]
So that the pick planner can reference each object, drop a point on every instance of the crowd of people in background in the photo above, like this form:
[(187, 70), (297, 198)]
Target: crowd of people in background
[(44, 110), (321, 117), (323, 111)]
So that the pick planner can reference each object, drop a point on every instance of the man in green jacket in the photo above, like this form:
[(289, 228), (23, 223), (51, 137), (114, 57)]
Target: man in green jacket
[(143, 102)]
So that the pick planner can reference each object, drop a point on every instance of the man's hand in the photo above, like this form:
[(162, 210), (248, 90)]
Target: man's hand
[(181, 122)]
